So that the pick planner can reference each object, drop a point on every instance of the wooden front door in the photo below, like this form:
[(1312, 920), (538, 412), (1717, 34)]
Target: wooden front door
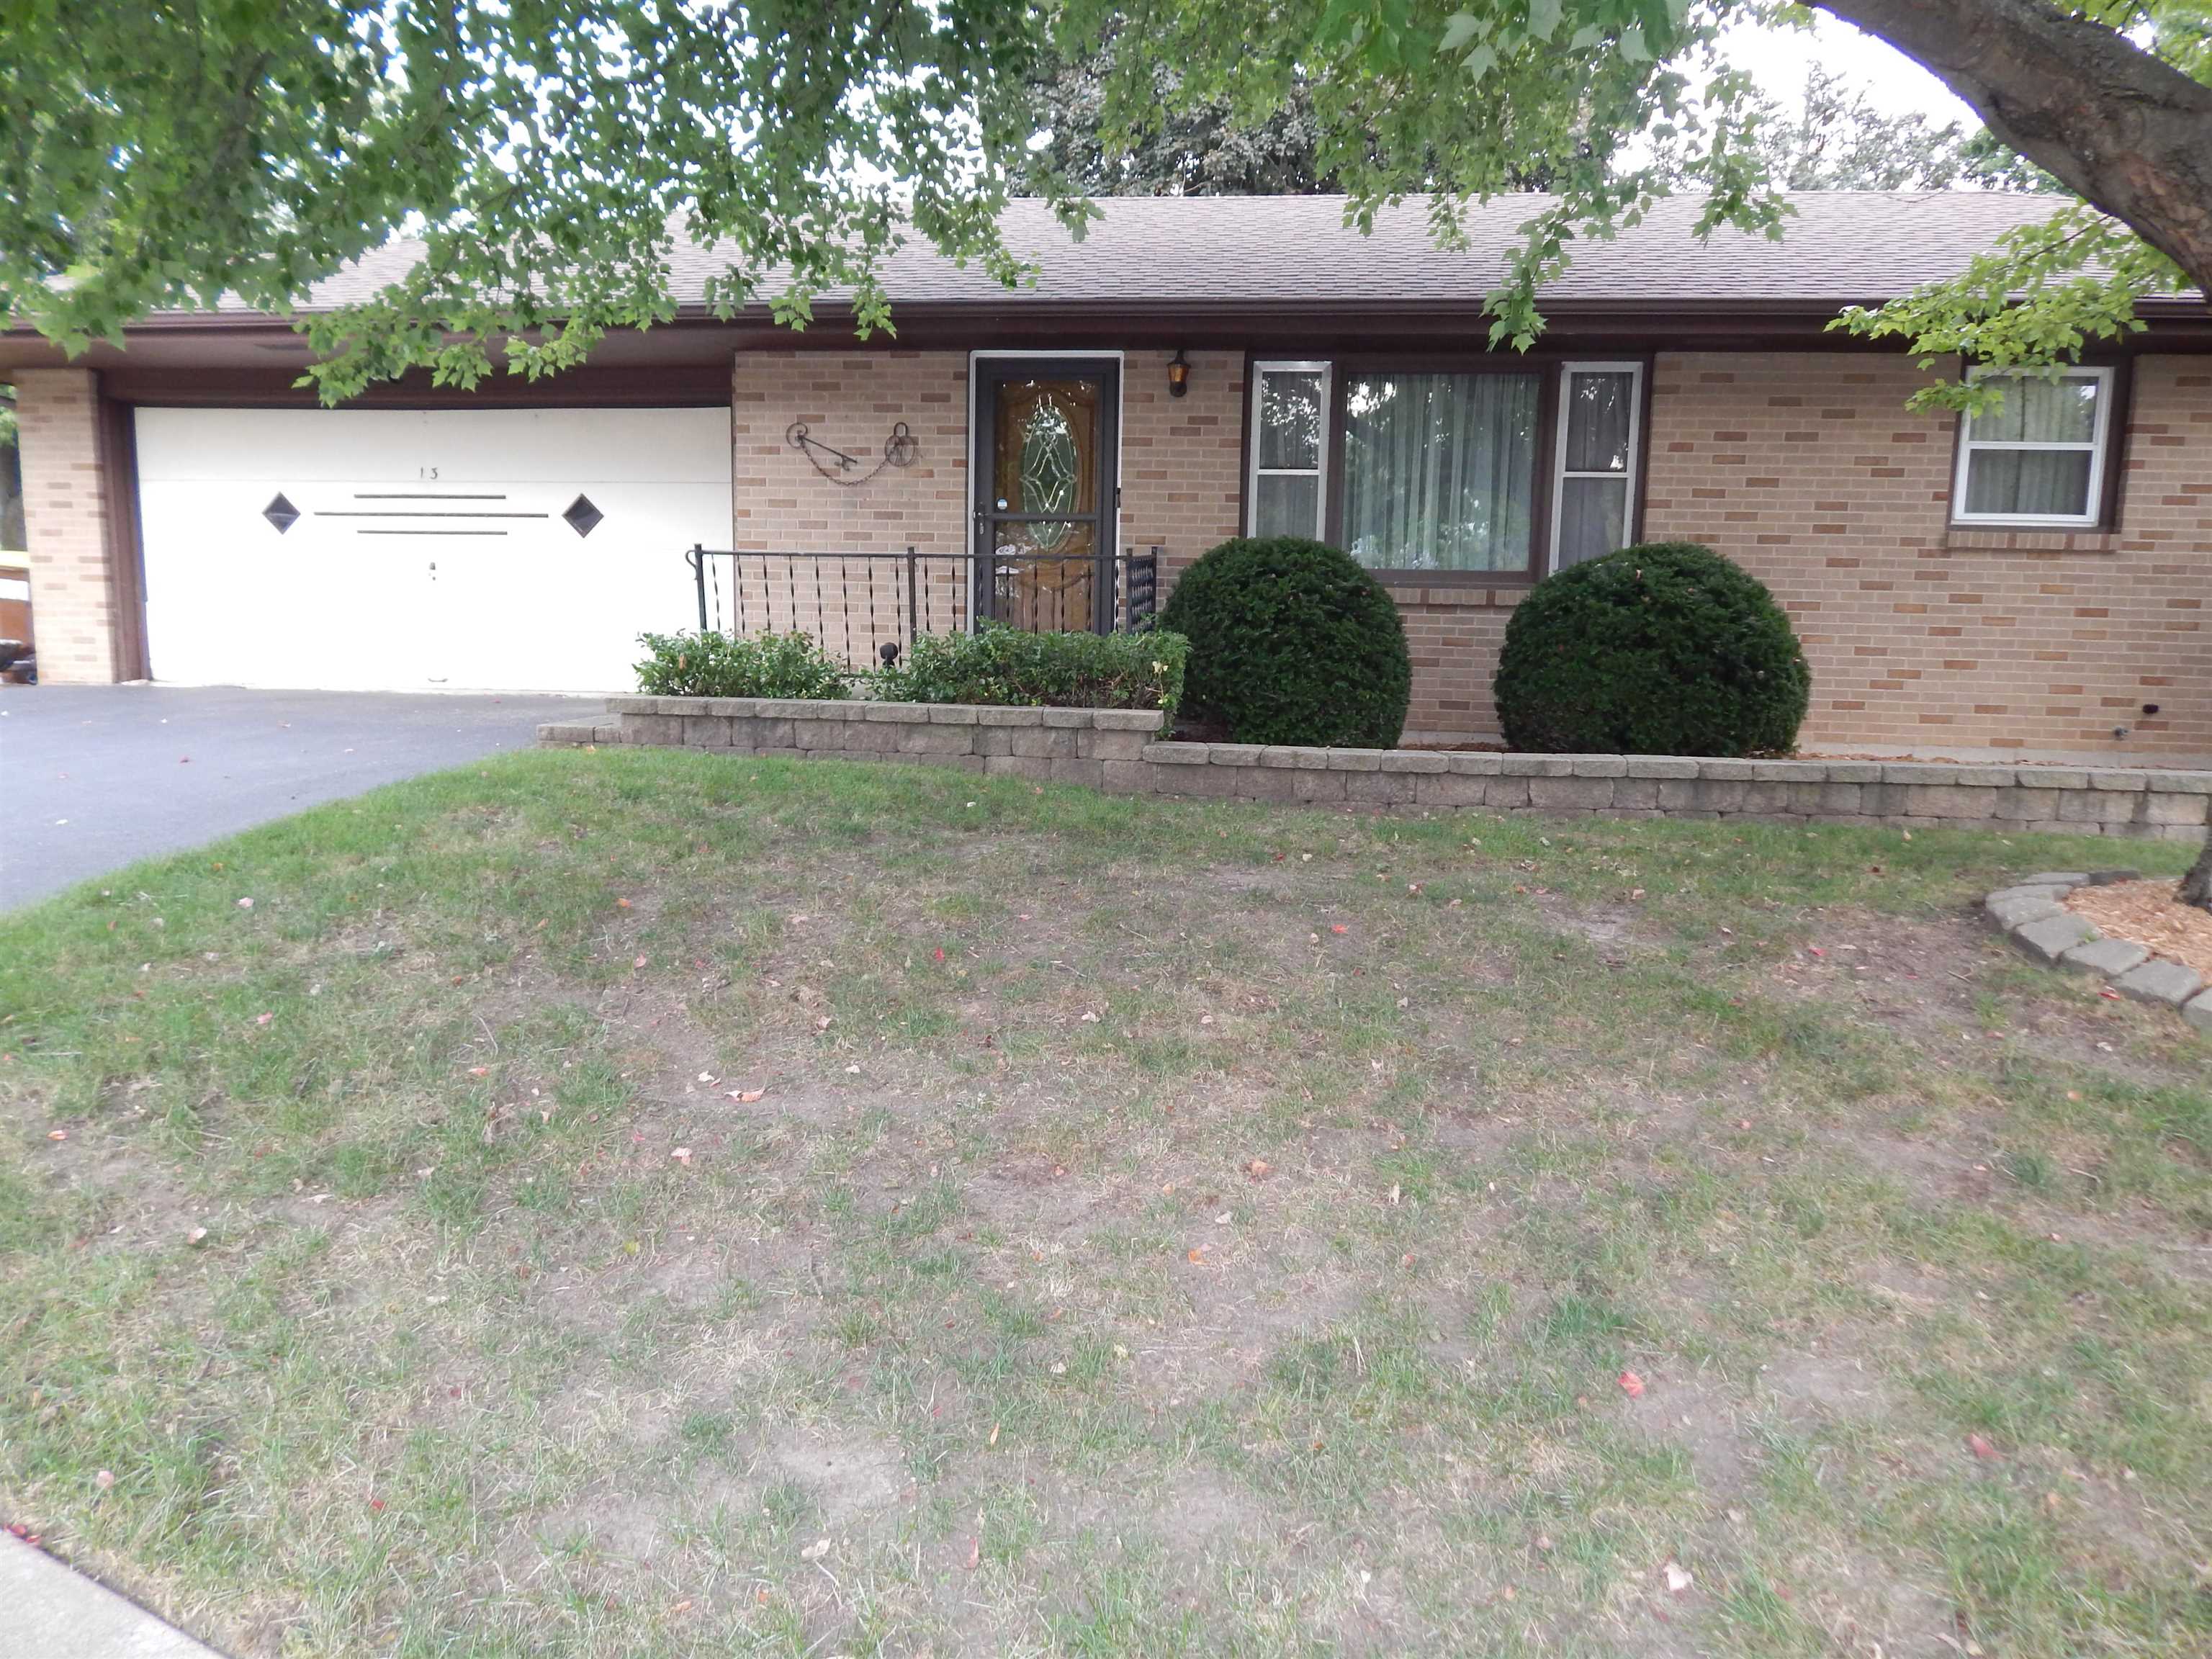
[(1047, 491)]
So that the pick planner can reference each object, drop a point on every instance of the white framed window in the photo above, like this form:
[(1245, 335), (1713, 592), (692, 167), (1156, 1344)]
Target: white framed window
[(1600, 437), (1288, 492), (2040, 456)]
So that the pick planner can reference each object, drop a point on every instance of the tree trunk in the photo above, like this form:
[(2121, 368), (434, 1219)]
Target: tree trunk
[(2197, 885), (2129, 134)]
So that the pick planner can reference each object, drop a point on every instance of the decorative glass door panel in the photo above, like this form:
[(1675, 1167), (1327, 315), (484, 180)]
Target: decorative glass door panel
[(1045, 509)]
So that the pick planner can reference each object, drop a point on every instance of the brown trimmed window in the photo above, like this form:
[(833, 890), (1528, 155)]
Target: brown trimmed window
[(1498, 474), (2039, 456)]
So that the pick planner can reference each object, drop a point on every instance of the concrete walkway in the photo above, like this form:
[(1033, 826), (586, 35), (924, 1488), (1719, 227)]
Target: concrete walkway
[(49, 1612), (94, 777)]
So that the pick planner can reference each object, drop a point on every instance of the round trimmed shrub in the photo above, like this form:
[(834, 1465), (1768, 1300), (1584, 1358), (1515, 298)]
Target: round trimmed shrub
[(1665, 649), (1290, 641)]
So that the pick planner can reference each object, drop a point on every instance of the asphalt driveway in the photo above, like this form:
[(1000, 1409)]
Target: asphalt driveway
[(94, 777)]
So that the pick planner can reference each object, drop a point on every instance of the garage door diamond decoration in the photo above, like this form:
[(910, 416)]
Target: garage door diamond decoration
[(281, 513), (583, 517)]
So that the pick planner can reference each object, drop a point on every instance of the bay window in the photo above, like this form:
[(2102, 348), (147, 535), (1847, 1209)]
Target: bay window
[(2040, 456), (1494, 474)]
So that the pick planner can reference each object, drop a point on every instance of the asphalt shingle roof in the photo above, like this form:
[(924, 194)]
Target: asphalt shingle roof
[(1289, 250)]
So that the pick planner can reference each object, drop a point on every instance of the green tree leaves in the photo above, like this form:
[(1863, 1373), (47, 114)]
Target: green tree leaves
[(553, 161)]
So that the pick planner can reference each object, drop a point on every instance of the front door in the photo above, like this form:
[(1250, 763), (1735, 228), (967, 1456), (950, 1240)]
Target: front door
[(1047, 492)]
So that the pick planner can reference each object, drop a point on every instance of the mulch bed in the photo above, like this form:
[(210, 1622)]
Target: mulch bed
[(2147, 913)]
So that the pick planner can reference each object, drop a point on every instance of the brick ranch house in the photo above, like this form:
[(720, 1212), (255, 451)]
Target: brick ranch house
[(1194, 369)]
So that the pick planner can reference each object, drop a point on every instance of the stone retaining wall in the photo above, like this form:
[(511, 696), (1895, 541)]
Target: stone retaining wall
[(1057, 745), (1118, 749)]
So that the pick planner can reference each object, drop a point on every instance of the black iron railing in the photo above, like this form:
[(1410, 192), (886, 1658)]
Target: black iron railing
[(857, 604)]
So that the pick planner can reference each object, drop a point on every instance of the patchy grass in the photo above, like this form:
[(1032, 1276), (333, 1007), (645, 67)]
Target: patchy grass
[(1160, 1229)]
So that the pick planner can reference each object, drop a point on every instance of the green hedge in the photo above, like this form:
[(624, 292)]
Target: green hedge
[(1663, 649), (756, 666), (1292, 641), (1000, 664)]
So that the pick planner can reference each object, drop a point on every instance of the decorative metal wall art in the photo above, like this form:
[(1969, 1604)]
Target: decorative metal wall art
[(899, 450)]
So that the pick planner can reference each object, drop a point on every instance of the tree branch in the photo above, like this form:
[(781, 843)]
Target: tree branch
[(2130, 134)]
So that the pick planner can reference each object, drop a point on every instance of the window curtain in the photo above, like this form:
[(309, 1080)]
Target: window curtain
[(1594, 509), (1440, 471), (2047, 484), (1286, 477), (2034, 482)]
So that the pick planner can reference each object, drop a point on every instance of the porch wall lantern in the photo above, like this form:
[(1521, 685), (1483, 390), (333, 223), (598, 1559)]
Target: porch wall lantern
[(1178, 374)]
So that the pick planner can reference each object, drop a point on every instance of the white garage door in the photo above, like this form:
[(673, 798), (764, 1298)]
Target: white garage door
[(412, 550)]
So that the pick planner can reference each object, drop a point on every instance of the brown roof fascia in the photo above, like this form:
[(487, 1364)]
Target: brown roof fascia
[(2173, 324)]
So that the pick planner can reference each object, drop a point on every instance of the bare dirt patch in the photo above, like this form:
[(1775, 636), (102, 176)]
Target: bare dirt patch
[(850, 1477)]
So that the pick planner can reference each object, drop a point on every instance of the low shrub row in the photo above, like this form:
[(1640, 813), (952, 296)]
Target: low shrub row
[(1000, 664), (1662, 649), (753, 665), (994, 664)]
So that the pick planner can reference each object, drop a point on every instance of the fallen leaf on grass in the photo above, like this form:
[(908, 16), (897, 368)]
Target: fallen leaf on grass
[(682, 1155), (815, 1550), (479, 1071), (1338, 928), (1258, 1169), (746, 1097), (1197, 1255), (104, 1479), (1677, 1576), (1631, 1385), (975, 1554), (1980, 1447)]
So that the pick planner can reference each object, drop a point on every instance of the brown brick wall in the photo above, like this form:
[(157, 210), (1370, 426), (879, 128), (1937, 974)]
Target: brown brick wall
[(65, 525), (1808, 470), (1179, 469), (1182, 457), (849, 401), (1805, 468)]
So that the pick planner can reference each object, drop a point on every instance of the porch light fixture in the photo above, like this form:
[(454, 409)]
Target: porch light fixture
[(1178, 374)]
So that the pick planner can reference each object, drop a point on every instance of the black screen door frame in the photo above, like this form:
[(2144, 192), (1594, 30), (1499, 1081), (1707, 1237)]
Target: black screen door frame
[(992, 371)]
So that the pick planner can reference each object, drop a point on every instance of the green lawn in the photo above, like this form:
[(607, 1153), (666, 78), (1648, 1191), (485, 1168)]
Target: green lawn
[(1161, 1228)]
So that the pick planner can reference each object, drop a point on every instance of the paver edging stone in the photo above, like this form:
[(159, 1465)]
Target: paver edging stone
[(2032, 913)]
